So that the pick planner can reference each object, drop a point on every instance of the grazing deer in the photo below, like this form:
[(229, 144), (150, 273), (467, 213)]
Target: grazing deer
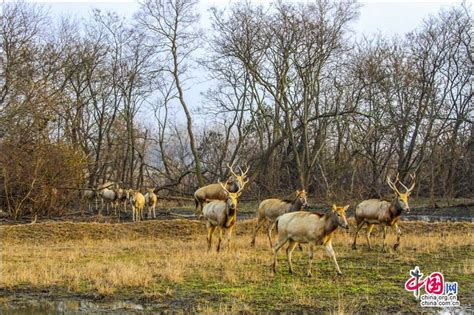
[(223, 215), (216, 192), (306, 227), (270, 209), (375, 211), (137, 200), (150, 200)]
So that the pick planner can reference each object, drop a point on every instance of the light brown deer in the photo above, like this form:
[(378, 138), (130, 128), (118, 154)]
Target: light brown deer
[(270, 209), (137, 200), (306, 227), (223, 215), (216, 192), (375, 211)]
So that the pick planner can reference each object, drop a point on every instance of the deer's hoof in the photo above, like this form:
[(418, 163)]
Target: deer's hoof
[(396, 246), (339, 273), (309, 274), (354, 246)]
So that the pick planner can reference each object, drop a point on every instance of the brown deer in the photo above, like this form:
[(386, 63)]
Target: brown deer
[(306, 227), (223, 215), (151, 200), (217, 192), (270, 209), (137, 200), (375, 211)]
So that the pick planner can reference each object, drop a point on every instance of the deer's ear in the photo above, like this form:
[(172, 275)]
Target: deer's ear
[(346, 207), (334, 207), (297, 192)]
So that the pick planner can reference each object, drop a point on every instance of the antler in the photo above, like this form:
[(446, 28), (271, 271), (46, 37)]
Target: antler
[(223, 187), (246, 171), (413, 178), (230, 168), (392, 184)]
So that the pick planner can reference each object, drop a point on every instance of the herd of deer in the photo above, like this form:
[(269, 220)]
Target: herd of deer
[(217, 204), (111, 194)]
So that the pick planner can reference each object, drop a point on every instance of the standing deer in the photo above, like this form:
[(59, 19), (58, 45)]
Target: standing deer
[(223, 215), (270, 209), (375, 211), (217, 192), (137, 200), (306, 227), (109, 196), (122, 197), (90, 195), (150, 201)]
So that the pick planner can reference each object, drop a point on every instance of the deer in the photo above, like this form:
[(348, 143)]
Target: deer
[(223, 215), (386, 213), (109, 196), (302, 227), (150, 201), (137, 200), (217, 192), (107, 193), (90, 195), (270, 209), (122, 197)]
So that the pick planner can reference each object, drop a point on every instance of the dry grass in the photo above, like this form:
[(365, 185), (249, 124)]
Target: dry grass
[(166, 262)]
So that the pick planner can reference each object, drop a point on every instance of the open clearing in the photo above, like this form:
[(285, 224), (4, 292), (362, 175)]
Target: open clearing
[(164, 265)]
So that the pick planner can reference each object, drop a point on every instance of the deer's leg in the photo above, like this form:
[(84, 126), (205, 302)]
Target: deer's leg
[(269, 232), (370, 227), (399, 233), (220, 239), (154, 212), (257, 227), (384, 231), (133, 213), (275, 251), (332, 254), (289, 251), (359, 226), (229, 236), (311, 255), (117, 209), (210, 231)]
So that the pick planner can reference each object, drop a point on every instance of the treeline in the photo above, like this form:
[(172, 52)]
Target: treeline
[(294, 94)]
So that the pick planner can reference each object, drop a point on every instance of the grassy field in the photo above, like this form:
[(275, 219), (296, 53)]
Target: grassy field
[(164, 265)]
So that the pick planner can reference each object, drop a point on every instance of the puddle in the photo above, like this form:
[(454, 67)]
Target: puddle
[(40, 307), (434, 218)]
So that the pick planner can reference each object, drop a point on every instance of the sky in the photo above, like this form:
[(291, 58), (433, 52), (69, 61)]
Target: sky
[(386, 17)]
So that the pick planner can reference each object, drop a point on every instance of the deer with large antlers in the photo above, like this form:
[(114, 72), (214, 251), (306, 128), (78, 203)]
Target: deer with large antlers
[(217, 192), (223, 215), (375, 211)]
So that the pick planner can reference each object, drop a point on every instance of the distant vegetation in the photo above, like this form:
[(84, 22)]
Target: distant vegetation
[(293, 94)]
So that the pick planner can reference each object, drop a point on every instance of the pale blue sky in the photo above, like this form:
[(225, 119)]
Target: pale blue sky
[(388, 17)]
